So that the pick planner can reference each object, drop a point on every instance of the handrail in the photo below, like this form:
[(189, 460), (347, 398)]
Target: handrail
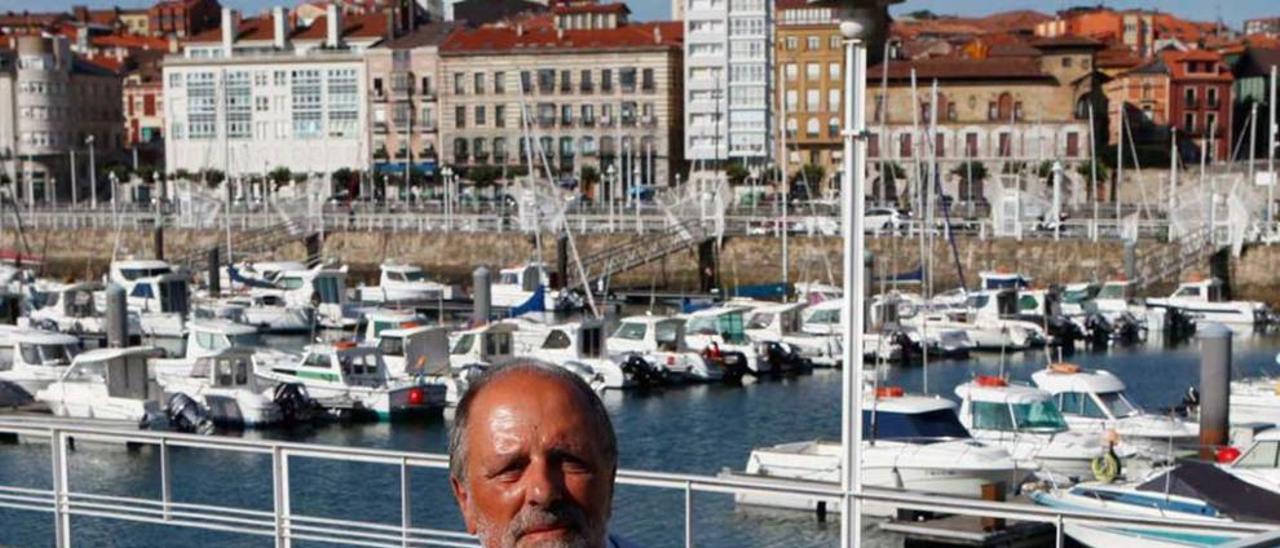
[(285, 525)]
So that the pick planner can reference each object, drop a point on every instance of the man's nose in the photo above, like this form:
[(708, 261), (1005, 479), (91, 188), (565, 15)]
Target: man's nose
[(544, 483)]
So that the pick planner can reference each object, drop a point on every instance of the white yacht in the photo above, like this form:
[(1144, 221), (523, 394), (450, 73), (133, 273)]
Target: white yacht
[(107, 383), (351, 381), (484, 346), (517, 286), (74, 309), (33, 359), (405, 283), (1205, 301), (653, 351), (913, 443), (159, 294), (1026, 422), (824, 319), (1259, 464), (1118, 301), (271, 313), (579, 347), (322, 288), (722, 329), (225, 388), (1096, 401), (783, 324)]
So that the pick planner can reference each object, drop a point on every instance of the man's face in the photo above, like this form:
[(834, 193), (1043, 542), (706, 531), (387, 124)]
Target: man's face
[(536, 471)]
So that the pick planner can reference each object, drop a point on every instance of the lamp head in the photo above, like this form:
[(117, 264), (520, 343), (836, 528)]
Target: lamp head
[(866, 20)]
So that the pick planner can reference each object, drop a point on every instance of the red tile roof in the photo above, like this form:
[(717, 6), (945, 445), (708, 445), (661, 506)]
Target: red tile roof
[(1004, 68), (664, 34), (591, 8), (372, 25), (1175, 61), (252, 28), (129, 41)]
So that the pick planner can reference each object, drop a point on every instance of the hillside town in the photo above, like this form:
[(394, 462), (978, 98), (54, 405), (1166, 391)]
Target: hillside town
[(394, 92)]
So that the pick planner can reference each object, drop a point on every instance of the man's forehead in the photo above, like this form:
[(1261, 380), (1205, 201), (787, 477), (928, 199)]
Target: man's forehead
[(529, 399)]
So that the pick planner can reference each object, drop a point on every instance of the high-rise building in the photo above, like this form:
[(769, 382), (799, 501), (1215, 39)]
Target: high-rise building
[(404, 86), (728, 82)]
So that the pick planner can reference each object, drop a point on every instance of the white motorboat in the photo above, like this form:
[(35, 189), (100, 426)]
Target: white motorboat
[(517, 286), (1025, 421), (107, 383), (374, 321), (405, 283), (1192, 493), (482, 347), (782, 324), (653, 350), (1205, 301), (824, 319), (1094, 400), (227, 392), (271, 313), (258, 274), (160, 295), (420, 355), (32, 359), (1259, 464), (1256, 400), (74, 309), (351, 381), (129, 272), (324, 289), (722, 329), (912, 443), (1118, 301), (579, 347), (904, 320)]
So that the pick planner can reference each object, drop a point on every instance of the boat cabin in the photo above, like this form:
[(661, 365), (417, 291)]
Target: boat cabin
[(165, 293), (393, 273), (1211, 290), (991, 281), (374, 322), (227, 368), (993, 404), (487, 345), (1263, 456), (123, 371), (344, 363), (725, 323), (129, 272), (1084, 393), (779, 320), (894, 415), (567, 341), (527, 277), (415, 350), (646, 334), (207, 337), (28, 348), (314, 287)]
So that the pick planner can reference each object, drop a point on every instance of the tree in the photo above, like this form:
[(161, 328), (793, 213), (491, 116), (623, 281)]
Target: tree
[(213, 177), (1045, 169), (736, 173), (923, 15), (813, 174), (342, 176), (891, 173), (148, 173), (484, 176), (182, 174), (4, 179), (971, 175), (280, 176), (120, 171)]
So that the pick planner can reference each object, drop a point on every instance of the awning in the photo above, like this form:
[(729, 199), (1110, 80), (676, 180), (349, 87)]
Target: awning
[(397, 168)]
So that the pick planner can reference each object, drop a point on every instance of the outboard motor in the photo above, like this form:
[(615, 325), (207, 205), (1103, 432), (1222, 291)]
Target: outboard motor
[(1098, 330), (1178, 325), (784, 359), (1126, 330), (911, 350), (642, 373), (296, 405), (186, 415)]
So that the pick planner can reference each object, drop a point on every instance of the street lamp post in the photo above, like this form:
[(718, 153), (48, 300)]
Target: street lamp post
[(447, 173), (611, 185), (863, 24), (93, 175), (637, 190)]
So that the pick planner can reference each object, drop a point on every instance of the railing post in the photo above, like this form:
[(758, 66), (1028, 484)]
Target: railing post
[(280, 489), (688, 515), (406, 518), (166, 491), (61, 506), (1058, 533)]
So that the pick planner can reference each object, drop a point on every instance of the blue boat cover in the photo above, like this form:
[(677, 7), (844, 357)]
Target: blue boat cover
[(1239, 499), (536, 303)]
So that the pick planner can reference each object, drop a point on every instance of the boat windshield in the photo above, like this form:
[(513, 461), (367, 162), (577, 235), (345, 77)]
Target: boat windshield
[(391, 346), (1114, 291), (1074, 296), (329, 288), (463, 346), (48, 354), (667, 335), (415, 276), (1119, 405), (1038, 417), (760, 320), (933, 425), (245, 340)]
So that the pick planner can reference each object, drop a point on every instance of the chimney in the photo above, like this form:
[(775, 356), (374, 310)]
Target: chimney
[(230, 29), (173, 44), (657, 34), (519, 29), (80, 13), (280, 26), (82, 40), (560, 34), (392, 21), (333, 19)]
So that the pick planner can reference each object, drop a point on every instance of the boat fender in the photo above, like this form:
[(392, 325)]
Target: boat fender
[(186, 415), (1107, 467)]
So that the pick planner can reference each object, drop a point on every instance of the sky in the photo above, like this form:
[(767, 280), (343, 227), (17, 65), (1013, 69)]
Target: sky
[(1233, 12)]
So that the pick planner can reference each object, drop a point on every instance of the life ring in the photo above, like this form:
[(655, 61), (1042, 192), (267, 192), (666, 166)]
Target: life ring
[(1064, 368), (889, 392), (990, 381), (1106, 468)]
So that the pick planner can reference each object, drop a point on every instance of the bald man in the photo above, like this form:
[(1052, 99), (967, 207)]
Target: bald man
[(532, 459)]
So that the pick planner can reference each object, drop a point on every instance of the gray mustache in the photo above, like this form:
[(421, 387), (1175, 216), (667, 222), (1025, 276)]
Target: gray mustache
[(567, 515)]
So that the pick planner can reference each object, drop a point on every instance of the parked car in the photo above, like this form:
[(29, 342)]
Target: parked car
[(883, 219)]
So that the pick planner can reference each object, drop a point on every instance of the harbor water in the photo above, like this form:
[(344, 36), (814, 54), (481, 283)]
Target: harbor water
[(697, 429)]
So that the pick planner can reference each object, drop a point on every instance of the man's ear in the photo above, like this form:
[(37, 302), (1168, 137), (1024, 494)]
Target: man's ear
[(461, 495)]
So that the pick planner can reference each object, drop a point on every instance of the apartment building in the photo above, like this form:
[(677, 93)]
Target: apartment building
[(403, 79), (582, 83), (51, 102), (143, 94), (257, 94), (183, 18), (728, 74), (810, 69)]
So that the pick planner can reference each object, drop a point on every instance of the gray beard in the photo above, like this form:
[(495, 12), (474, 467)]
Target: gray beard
[(580, 535)]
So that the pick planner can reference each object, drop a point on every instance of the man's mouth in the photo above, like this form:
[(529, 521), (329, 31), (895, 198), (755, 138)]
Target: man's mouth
[(545, 532)]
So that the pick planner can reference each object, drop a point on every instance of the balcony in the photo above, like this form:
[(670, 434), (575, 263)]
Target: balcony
[(566, 122), (1192, 103), (378, 95), (606, 121), (588, 122), (649, 120), (546, 123), (380, 128), (499, 158), (586, 88), (629, 121)]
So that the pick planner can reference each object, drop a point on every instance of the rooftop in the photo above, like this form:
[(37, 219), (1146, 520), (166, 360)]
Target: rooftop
[(666, 34)]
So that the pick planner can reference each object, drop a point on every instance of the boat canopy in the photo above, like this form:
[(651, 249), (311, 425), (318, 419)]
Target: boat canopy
[(937, 425), (1237, 498)]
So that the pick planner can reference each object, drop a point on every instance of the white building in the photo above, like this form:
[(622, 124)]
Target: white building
[(255, 95), (728, 81)]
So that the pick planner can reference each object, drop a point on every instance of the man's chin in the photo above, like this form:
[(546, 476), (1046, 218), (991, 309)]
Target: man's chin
[(553, 538)]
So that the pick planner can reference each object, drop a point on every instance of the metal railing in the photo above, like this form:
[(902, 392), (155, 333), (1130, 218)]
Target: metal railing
[(285, 525)]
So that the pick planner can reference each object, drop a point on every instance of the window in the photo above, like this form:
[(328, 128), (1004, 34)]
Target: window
[(460, 117), (480, 115), (812, 128), (792, 43), (500, 116), (1189, 123), (459, 81), (606, 80), (812, 71), (426, 86), (834, 42), (833, 71), (478, 83), (1066, 62), (791, 71), (239, 106), (992, 416), (546, 80), (1041, 416), (566, 114), (202, 106), (588, 115), (557, 340), (631, 331), (647, 82), (1211, 122), (307, 105), (344, 103), (584, 82), (499, 83), (1211, 97), (627, 79), (904, 145), (1264, 454), (1189, 97), (526, 82), (813, 43), (566, 82)]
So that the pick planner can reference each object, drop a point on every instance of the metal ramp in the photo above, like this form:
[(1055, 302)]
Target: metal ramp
[(1191, 250), (246, 244), (639, 251)]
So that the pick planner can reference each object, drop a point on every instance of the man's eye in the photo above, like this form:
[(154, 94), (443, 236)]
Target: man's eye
[(576, 465)]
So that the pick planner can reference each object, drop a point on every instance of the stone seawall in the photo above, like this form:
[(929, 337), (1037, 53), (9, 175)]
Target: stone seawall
[(744, 260)]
